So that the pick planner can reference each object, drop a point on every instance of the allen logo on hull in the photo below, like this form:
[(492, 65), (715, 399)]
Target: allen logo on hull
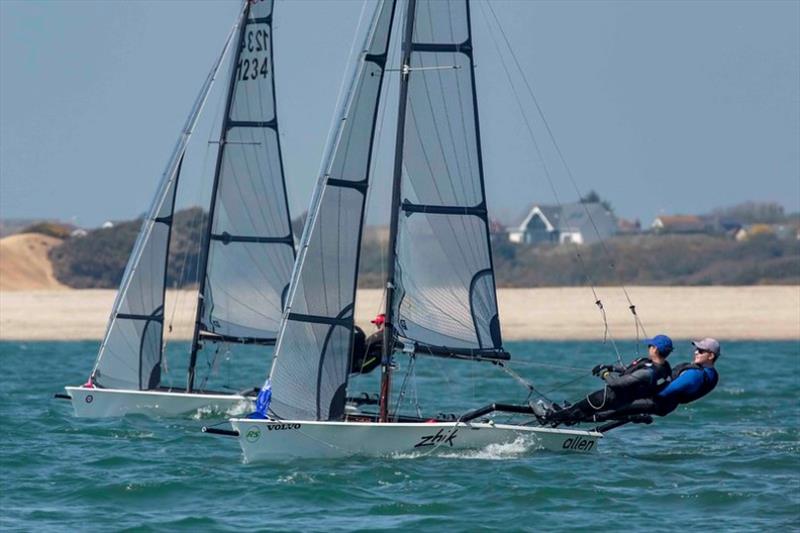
[(89, 398), (578, 443)]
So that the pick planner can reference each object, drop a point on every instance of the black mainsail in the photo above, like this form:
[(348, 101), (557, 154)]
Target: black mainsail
[(310, 369), (248, 250)]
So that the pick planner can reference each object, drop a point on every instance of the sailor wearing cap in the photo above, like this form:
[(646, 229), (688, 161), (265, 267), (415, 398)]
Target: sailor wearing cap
[(692, 381), (366, 352)]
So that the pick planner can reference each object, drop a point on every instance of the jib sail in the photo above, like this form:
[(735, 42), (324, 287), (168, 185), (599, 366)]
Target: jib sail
[(310, 369)]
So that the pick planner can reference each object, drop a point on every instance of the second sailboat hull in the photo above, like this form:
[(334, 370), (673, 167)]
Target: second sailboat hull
[(104, 403), (286, 439)]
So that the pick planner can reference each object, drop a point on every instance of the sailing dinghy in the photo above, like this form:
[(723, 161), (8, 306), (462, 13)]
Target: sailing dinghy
[(440, 288), (247, 251)]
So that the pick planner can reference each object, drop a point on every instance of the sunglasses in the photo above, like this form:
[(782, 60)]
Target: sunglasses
[(700, 350)]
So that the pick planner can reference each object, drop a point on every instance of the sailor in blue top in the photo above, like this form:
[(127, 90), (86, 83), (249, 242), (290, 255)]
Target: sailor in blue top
[(690, 382)]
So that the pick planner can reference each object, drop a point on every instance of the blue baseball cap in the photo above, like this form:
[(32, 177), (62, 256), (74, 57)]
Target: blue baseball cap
[(662, 343)]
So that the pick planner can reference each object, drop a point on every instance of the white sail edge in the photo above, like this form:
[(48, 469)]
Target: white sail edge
[(165, 184)]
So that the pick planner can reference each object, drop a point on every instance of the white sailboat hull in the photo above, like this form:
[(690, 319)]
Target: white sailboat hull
[(103, 403), (263, 440)]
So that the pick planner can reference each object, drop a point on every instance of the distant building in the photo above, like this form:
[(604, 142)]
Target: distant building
[(78, 233), (679, 224), (564, 224), (628, 227), (107, 224), (781, 231)]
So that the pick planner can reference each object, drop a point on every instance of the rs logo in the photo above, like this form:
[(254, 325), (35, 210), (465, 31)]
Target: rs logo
[(252, 434)]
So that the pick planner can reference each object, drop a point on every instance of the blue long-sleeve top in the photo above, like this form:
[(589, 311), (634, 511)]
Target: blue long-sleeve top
[(691, 383)]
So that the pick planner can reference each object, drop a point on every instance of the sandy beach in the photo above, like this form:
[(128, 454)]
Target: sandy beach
[(759, 312)]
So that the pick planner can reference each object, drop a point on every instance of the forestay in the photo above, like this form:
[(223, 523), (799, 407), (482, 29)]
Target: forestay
[(130, 354), (444, 298), (250, 245), (309, 372)]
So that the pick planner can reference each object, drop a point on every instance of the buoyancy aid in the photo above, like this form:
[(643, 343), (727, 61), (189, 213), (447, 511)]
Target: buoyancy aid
[(660, 377), (709, 377)]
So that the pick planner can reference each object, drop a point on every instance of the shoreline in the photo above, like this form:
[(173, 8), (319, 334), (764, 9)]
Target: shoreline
[(567, 313)]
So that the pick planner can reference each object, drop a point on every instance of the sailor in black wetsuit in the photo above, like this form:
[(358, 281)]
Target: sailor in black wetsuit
[(643, 378), (690, 382), (367, 351)]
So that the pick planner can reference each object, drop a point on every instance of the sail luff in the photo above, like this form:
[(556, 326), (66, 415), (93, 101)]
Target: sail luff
[(166, 187), (388, 332), (214, 188), (311, 363)]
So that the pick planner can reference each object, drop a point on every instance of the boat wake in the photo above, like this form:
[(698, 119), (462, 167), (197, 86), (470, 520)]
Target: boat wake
[(240, 409), (522, 445)]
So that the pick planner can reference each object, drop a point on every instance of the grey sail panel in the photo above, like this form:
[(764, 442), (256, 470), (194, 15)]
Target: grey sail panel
[(445, 295), (310, 369), (251, 249), (130, 354), (130, 357)]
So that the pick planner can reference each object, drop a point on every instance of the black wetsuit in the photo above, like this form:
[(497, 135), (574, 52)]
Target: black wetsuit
[(367, 351), (641, 379)]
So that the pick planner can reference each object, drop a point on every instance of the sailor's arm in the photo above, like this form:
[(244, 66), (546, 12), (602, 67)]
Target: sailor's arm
[(688, 383), (643, 376)]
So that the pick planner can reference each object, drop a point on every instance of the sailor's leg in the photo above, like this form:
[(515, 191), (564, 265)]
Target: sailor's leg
[(638, 407), (584, 409)]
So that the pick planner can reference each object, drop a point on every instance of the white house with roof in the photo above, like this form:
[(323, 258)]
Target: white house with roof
[(567, 223)]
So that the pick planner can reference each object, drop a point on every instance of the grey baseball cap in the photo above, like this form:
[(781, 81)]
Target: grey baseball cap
[(712, 345)]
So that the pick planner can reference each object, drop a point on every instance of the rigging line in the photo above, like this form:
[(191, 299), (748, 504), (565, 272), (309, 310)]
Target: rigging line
[(401, 394), (584, 269), (378, 139), (547, 365), (566, 383), (546, 124), (524, 382)]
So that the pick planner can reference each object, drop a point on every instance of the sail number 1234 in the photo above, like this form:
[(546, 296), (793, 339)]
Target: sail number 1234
[(252, 68)]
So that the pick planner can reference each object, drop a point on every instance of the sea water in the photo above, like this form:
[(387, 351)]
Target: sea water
[(729, 462)]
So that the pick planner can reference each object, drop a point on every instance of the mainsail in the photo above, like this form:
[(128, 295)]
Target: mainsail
[(249, 247), (310, 369), (441, 290), (130, 354)]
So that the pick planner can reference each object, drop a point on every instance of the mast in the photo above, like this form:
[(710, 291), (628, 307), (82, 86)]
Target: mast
[(388, 331), (215, 187)]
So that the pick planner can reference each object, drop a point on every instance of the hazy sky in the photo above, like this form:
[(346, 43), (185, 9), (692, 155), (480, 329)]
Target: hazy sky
[(674, 107)]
